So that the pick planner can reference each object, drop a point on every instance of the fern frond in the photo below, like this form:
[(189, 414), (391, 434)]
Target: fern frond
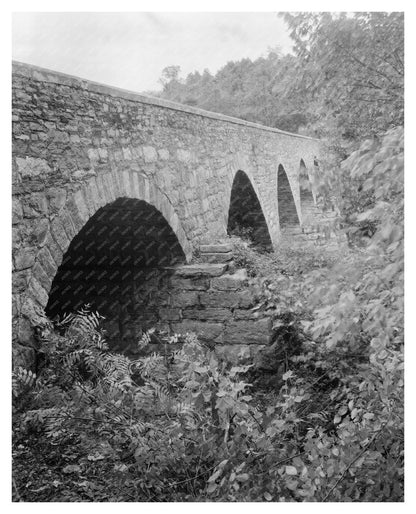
[(22, 379)]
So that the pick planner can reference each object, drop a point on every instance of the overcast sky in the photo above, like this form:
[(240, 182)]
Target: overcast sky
[(130, 50)]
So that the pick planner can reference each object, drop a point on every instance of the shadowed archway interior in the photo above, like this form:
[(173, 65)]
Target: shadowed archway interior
[(245, 216), (116, 264), (288, 215)]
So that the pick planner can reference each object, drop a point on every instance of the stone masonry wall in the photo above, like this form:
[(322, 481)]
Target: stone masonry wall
[(78, 146), (215, 302)]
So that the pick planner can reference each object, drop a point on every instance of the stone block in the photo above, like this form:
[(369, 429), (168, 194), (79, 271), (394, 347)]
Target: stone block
[(59, 234), (54, 249), (149, 154), (47, 262), (196, 284), (19, 281), (217, 257), (163, 154), (216, 314), (206, 331), (24, 258), (230, 299), (230, 282), (184, 299), (248, 332), (200, 270), (247, 314), (43, 278), (32, 167), (219, 298), (167, 314), (17, 211), (38, 202), (219, 248), (183, 155), (23, 355)]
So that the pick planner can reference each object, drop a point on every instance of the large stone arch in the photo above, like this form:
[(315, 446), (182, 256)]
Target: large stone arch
[(98, 192), (287, 208), (245, 210)]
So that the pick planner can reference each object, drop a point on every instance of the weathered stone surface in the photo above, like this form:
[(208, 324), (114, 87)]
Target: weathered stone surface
[(44, 278), (41, 231), (17, 211), (38, 202), (32, 167), (206, 331), (23, 355), (47, 262), (230, 282), (248, 332), (56, 199), (217, 257), (218, 248), (184, 299), (196, 284), (20, 281), (217, 314), (150, 154), (167, 314), (231, 299), (24, 258), (247, 314), (200, 270), (38, 292)]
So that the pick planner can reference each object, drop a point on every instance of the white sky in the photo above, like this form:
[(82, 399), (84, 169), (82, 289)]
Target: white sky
[(130, 50)]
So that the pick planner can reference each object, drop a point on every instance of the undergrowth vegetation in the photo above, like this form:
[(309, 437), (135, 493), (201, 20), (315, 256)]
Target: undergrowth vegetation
[(183, 425)]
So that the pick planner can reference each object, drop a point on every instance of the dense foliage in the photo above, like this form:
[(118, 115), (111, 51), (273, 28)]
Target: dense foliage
[(343, 83), (252, 90), (350, 70)]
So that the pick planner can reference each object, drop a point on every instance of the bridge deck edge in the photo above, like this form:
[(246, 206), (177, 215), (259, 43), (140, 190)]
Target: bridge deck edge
[(71, 80)]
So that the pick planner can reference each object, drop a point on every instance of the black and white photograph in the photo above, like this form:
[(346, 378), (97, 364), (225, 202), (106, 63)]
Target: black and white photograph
[(207, 255)]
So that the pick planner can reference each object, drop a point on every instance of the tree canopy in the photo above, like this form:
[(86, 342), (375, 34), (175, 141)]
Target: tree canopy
[(344, 80)]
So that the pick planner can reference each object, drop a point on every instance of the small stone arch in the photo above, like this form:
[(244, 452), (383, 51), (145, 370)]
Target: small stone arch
[(245, 214), (288, 214), (99, 192)]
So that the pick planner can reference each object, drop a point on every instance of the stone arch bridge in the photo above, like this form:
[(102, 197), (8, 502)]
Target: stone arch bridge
[(109, 185)]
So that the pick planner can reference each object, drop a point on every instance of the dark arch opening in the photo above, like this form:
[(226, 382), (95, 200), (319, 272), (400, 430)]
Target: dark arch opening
[(288, 215), (307, 201), (245, 215), (116, 264)]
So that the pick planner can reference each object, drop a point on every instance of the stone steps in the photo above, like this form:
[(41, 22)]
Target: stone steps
[(215, 301), (217, 253)]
